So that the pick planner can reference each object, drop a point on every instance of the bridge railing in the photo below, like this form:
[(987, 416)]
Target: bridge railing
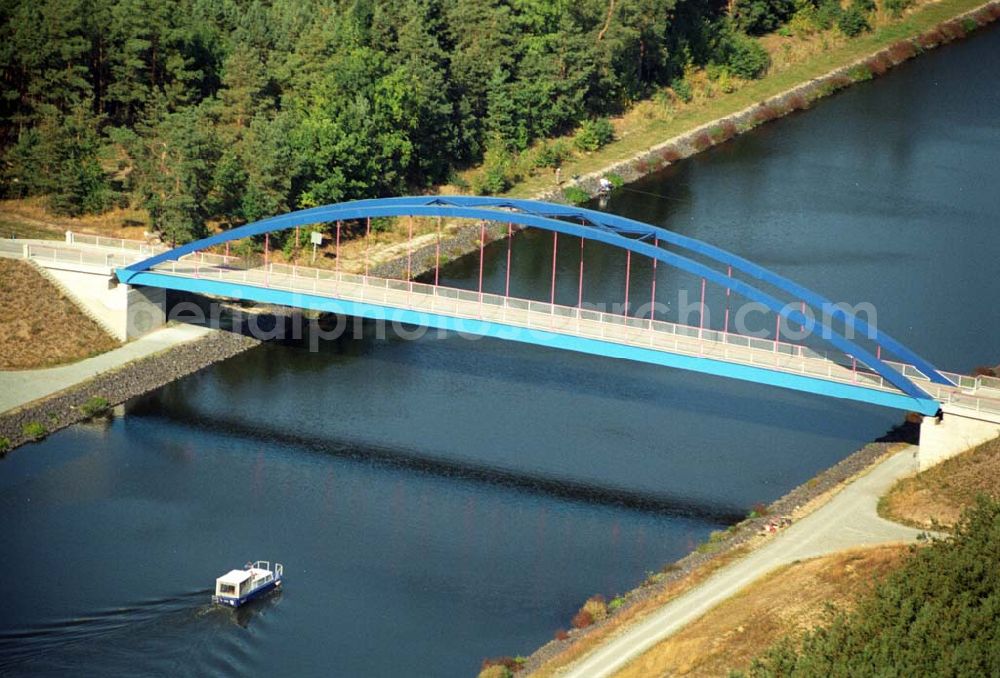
[(55, 254), (138, 246), (212, 259), (567, 311), (862, 372), (972, 402), (642, 332)]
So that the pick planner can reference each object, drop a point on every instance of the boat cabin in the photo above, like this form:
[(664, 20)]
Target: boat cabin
[(233, 584), (237, 586)]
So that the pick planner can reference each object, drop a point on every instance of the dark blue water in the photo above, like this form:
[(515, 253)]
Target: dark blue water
[(441, 500)]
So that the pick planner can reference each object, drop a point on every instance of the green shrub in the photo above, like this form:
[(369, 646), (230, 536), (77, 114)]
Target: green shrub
[(804, 22), (552, 155), (747, 58), (653, 578), (708, 547), (761, 16), (596, 608), (34, 430), (94, 405), (682, 88), (860, 73), (827, 13), (594, 134), (616, 603), (383, 224), (726, 83), (498, 171), (969, 25), (721, 75), (615, 179), (714, 71), (575, 195), (663, 99), (458, 181), (4, 445), (896, 7), (853, 22)]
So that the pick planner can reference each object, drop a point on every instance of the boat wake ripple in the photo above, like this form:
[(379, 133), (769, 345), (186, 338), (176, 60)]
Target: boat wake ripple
[(154, 627)]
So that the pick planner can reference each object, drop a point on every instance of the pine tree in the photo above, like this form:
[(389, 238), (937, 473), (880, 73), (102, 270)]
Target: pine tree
[(244, 87), (173, 155)]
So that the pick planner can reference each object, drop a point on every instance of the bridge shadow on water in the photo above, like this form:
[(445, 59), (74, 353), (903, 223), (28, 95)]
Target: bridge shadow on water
[(401, 459)]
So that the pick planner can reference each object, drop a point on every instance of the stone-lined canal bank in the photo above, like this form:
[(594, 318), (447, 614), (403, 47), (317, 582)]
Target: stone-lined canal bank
[(36, 420)]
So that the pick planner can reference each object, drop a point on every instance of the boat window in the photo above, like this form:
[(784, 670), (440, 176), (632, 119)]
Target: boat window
[(227, 589)]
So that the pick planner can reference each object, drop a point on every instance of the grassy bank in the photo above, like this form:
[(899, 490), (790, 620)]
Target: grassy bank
[(40, 327), (31, 218), (937, 497)]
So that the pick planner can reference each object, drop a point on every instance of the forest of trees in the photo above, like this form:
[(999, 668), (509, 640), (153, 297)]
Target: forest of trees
[(238, 109)]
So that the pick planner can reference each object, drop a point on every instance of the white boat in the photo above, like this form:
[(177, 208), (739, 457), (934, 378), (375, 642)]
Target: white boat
[(255, 579)]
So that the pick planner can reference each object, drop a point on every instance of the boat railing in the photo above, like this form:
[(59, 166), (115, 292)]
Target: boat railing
[(277, 570)]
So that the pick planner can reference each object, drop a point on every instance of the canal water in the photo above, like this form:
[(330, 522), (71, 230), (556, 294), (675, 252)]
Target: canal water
[(439, 500)]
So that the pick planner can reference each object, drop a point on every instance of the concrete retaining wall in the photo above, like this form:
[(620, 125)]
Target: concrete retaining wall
[(958, 431)]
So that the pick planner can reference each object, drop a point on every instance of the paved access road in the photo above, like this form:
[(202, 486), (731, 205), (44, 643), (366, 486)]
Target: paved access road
[(848, 520)]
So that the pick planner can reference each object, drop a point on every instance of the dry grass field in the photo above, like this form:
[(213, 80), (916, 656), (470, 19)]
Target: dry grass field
[(31, 218), (40, 327), (788, 601), (940, 493)]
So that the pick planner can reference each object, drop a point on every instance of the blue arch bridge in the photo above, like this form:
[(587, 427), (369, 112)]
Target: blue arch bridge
[(843, 356)]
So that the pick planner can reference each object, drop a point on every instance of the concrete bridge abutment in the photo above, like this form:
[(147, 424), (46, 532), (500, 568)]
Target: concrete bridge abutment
[(146, 310), (124, 311), (958, 430)]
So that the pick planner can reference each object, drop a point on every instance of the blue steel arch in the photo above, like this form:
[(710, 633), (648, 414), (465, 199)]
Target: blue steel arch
[(624, 224), (609, 229)]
